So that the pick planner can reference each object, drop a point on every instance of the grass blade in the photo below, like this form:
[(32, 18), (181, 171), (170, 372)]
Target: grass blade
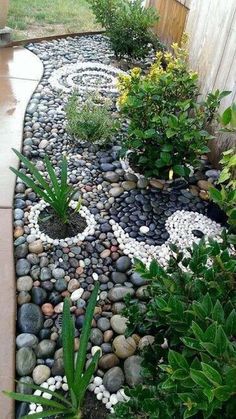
[(81, 357), (85, 380), (52, 176), (35, 173), (29, 182), (29, 398), (64, 174), (68, 333), (55, 394)]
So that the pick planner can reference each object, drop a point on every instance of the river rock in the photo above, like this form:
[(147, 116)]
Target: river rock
[(119, 293), (30, 319), (108, 361), (204, 184), (21, 388), (124, 347), (41, 373), (24, 283), (36, 247), (119, 324), (45, 348), (116, 191), (113, 379), (25, 361), (22, 267), (123, 264), (132, 369), (146, 341), (26, 340)]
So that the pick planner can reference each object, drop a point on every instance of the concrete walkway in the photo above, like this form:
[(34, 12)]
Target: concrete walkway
[(20, 72)]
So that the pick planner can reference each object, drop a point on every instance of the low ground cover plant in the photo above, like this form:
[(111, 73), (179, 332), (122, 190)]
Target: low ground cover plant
[(128, 25), (190, 307), (77, 377), (168, 127), (57, 193), (224, 194), (90, 120)]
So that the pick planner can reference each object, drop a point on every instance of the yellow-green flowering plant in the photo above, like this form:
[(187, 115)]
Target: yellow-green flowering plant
[(167, 130)]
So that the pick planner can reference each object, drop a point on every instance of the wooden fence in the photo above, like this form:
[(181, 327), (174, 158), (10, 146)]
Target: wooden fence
[(173, 14), (211, 26)]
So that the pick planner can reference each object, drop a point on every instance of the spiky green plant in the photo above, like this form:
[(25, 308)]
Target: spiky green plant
[(78, 378), (57, 193)]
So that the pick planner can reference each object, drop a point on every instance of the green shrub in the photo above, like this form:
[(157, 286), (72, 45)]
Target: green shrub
[(78, 378), (90, 121), (191, 307), (127, 24), (228, 119), (225, 197), (167, 130), (57, 193)]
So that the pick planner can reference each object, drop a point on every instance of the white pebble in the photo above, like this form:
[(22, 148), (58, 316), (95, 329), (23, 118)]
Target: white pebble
[(37, 393), (144, 229), (97, 381), (51, 381), (99, 396), (113, 399), (47, 396), (39, 409), (32, 406)]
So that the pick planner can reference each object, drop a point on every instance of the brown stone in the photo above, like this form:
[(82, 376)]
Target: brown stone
[(36, 247), (124, 347), (157, 184), (108, 361), (108, 334), (204, 184), (204, 195), (18, 232), (79, 311), (136, 338), (106, 253), (47, 309), (79, 270), (73, 285)]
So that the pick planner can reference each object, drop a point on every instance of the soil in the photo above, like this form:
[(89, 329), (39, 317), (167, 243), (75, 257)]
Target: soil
[(50, 224), (93, 408)]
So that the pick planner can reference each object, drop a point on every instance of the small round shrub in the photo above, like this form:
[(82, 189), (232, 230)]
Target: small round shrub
[(90, 120)]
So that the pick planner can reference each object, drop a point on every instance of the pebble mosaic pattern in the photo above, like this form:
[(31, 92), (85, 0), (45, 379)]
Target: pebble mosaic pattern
[(127, 217)]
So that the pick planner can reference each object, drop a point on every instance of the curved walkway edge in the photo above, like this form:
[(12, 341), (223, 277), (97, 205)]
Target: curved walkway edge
[(20, 73)]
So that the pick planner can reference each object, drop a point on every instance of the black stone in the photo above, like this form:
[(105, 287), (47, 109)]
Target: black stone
[(198, 233)]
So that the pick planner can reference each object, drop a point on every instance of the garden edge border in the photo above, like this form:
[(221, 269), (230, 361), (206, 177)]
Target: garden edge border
[(53, 37), (8, 278)]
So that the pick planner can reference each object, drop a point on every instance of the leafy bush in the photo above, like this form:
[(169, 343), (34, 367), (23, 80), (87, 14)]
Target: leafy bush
[(90, 121), (77, 378), (191, 308), (127, 24), (225, 197), (228, 119), (167, 129), (57, 194)]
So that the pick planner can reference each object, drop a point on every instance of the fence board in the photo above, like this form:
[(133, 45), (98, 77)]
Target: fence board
[(172, 21)]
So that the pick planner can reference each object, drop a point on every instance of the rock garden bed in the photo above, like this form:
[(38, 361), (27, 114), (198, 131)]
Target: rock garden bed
[(123, 217)]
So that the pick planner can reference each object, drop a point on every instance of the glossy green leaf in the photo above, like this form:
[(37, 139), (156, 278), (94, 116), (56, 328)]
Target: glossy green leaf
[(84, 338), (211, 373), (68, 334), (199, 378)]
